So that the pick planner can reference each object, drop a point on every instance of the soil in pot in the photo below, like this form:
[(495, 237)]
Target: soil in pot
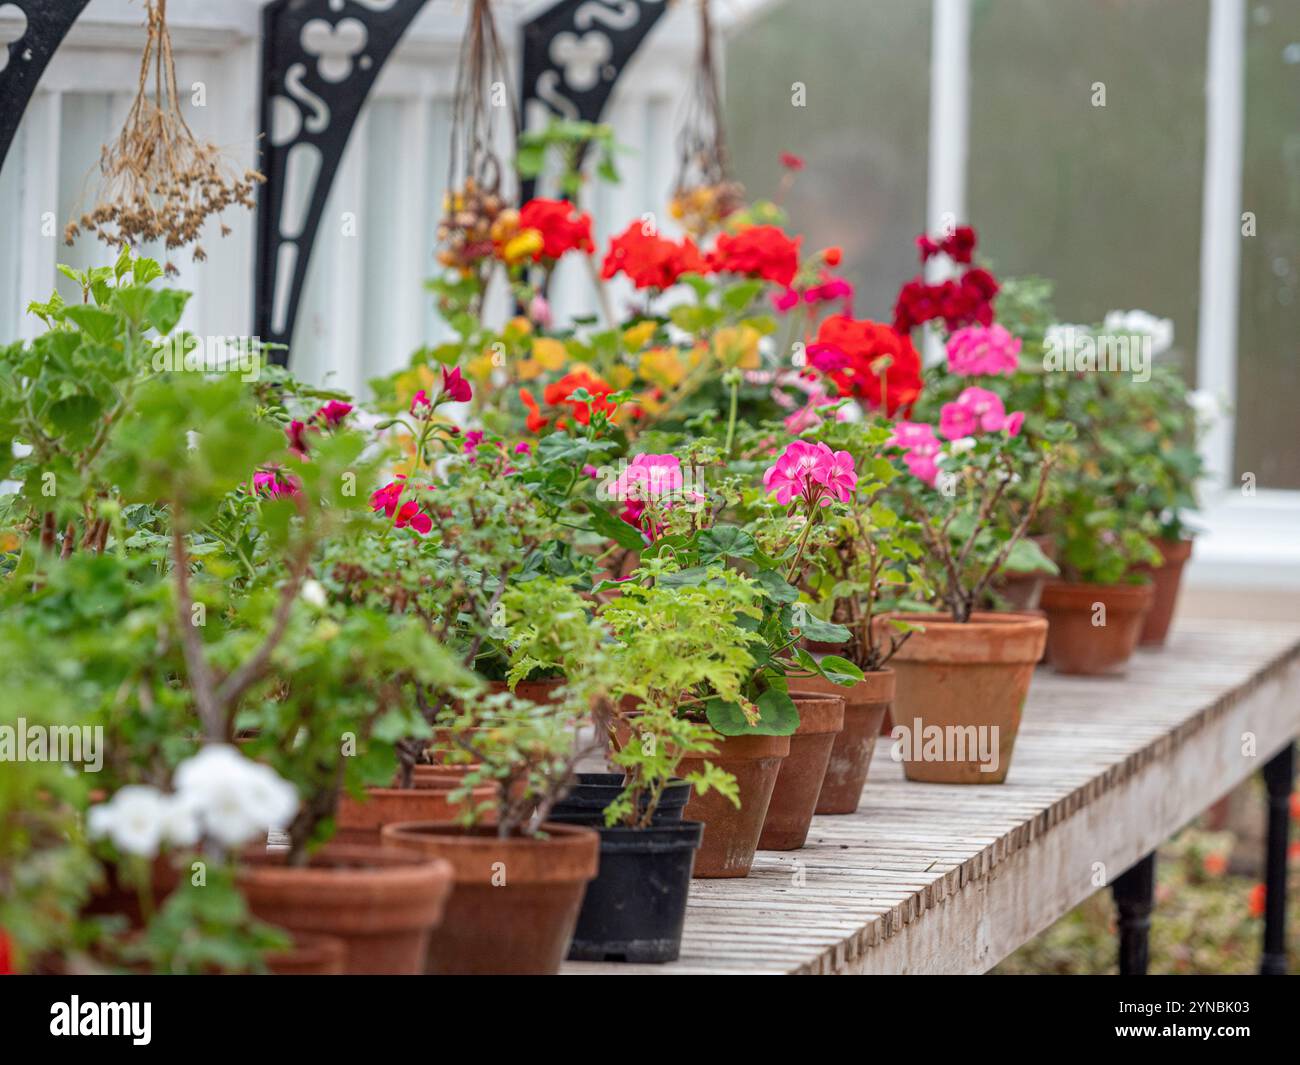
[(731, 835), (585, 803), (380, 903), (516, 900), (799, 782), (960, 689), (359, 821), (310, 955), (1165, 581), (1094, 628), (865, 705), (635, 908)]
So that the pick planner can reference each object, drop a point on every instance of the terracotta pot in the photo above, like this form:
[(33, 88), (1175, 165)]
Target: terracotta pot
[(799, 782), (1075, 643), (310, 955), (537, 691), (865, 705), (516, 900), (1165, 580), (439, 775), (731, 835), (959, 692), (380, 903), (360, 822), (1024, 590)]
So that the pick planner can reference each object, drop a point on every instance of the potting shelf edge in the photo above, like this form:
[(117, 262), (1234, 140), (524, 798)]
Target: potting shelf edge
[(929, 878)]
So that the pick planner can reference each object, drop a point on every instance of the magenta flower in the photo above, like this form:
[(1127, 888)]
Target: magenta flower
[(297, 433), (387, 498), (524, 448), (455, 387), (980, 349), (811, 472), (270, 483), (786, 301), (412, 516), (334, 412), (421, 404), (648, 477), (473, 438), (956, 421), (828, 358)]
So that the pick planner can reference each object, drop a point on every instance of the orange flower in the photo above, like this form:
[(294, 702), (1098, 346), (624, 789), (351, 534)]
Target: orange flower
[(832, 255), (1257, 896), (1214, 864), (557, 394), (535, 422), (868, 360)]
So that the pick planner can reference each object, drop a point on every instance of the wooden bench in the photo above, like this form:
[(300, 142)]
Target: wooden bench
[(942, 879)]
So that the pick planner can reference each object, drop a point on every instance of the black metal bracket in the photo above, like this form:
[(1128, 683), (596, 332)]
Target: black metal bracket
[(1134, 892), (1279, 773), (574, 52), (320, 59), (26, 58)]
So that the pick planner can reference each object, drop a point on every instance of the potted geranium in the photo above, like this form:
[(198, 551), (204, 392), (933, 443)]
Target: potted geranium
[(962, 682), (866, 567), (519, 877)]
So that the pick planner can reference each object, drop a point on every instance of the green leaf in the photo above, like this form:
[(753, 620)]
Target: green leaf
[(98, 324), (166, 309), (814, 628), (777, 587), (725, 541), (616, 529)]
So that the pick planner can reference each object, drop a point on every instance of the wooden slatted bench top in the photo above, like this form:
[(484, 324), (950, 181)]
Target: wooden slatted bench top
[(940, 878)]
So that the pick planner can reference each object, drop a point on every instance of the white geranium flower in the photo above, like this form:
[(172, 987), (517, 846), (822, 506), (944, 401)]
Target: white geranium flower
[(313, 592), (1142, 323), (235, 799), (134, 819), (963, 443)]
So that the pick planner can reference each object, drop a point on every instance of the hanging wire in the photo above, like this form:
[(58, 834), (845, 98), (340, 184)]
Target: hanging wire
[(157, 180)]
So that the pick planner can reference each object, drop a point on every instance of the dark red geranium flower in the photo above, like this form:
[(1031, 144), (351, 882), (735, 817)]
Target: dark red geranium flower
[(758, 251), (869, 360), (562, 226), (651, 261)]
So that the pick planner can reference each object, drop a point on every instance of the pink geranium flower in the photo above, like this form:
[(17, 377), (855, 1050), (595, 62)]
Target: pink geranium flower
[(980, 349), (977, 409), (411, 515), (334, 412), (421, 404), (811, 472), (270, 483), (920, 449), (455, 387), (296, 431), (387, 498), (648, 477)]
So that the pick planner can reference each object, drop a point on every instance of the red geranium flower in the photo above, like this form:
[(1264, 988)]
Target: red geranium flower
[(557, 394), (562, 226), (791, 161), (877, 364), (6, 955), (758, 251), (651, 261), (1258, 896)]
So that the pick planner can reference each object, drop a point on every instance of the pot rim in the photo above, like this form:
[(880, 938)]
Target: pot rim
[(1069, 593), (373, 865), (826, 711)]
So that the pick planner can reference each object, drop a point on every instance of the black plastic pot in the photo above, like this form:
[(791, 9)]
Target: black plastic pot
[(585, 804), (634, 910)]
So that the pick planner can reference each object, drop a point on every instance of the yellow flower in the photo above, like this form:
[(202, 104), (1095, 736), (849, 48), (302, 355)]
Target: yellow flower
[(662, 367), (517, 328), (620, 377), (636, 337), (480, 366), (737, 346), (524, 246), (549, 353)]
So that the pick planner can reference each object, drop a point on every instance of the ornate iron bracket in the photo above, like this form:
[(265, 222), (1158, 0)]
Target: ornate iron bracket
[(23, 60), (320, 59), (574, 52)]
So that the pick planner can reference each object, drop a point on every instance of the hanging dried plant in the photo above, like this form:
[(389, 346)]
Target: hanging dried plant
[(158, 181), (476, 214), (703, 193)]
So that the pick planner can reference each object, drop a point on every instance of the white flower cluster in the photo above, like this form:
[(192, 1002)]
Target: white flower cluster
[(1142, 323), (220, 795)]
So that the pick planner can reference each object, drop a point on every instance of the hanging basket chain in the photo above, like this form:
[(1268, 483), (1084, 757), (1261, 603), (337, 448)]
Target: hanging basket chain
[(158, 181), (703, 192)]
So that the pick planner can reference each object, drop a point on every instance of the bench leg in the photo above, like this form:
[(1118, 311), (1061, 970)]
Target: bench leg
[(1134, 893), (1278, 775)]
